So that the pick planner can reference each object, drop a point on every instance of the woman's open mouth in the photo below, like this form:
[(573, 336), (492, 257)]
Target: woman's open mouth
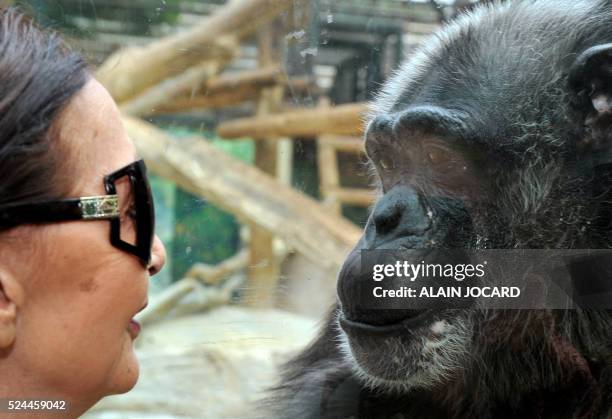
[(134, 327)]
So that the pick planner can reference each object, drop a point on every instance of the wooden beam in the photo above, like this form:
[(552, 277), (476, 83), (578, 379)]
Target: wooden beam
[(146, 102), (128, 72), (185, 83), (255, 79), (343, 143), (341, 120), (303, 85), (219, 100), (354, 196), (233, 96), (245, 191), (214, 274)]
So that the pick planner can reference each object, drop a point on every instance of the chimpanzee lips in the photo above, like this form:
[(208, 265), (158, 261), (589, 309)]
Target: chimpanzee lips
[(418, 319)]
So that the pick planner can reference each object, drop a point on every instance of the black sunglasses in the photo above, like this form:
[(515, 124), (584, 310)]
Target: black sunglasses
[(128, 206)]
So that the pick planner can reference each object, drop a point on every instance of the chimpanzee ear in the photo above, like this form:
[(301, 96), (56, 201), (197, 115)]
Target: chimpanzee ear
[(590, 83)]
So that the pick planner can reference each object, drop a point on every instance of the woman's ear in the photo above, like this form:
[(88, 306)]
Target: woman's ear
[(11, 294)]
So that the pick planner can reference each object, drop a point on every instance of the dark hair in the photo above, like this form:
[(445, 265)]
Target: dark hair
[(39, 74)]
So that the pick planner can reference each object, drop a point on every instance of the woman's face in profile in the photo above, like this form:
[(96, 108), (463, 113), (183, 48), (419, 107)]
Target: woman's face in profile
[(76, 293)]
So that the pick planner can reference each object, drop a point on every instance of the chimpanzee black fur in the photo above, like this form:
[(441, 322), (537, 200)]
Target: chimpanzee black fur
[(496, 134)]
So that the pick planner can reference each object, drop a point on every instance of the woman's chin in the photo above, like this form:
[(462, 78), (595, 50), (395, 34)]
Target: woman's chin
[(125, 375)]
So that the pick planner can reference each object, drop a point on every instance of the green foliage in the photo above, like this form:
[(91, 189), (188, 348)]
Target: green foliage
[(193, 229), (164, 194), (203, 233)]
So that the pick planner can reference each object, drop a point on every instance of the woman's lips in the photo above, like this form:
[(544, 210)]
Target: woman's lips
[(134, 328)]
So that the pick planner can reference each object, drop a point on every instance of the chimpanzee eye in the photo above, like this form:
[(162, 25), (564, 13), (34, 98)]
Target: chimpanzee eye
[(386, 163), (439, 156)]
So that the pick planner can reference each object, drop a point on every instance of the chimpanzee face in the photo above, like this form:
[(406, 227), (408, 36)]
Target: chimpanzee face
[(496, 134)]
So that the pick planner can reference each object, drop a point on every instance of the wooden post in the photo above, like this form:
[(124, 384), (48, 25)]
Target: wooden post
[(264, 271), (334, 195), (329, 176), (329, 172)]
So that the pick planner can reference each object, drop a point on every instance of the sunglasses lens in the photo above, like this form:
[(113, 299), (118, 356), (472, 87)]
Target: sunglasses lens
[(146, 214), (133, 232), (128, 210)]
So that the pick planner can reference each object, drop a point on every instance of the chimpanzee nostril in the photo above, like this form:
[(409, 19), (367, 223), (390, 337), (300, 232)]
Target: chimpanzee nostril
[(386, 219)]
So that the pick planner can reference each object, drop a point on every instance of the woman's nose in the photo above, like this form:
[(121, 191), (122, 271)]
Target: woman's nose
[(158, 256)]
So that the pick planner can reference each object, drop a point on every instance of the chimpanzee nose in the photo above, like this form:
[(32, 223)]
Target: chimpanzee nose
[(398, 214), (399, 218)]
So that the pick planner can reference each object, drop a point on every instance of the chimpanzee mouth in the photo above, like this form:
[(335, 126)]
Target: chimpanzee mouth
[(418, 319), (417, 352)]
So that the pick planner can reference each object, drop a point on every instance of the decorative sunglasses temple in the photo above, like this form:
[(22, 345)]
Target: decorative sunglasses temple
[(99, 207)]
